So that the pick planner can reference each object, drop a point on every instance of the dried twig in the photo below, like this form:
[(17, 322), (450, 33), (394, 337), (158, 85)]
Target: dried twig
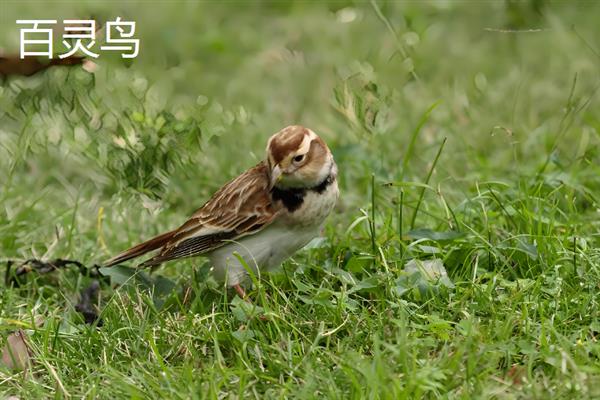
[(12, 277)]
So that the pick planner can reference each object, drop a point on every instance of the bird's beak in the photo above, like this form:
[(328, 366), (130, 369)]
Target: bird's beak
[(275, 176)]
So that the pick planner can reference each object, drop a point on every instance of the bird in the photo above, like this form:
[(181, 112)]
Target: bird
[(259, 219)]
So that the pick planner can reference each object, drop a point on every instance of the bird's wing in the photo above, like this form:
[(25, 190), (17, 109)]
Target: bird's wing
[(241, 207)]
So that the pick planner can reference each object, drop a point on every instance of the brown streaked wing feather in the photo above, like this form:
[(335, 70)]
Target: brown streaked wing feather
[(141, 249), (194, 245), (241, 207)]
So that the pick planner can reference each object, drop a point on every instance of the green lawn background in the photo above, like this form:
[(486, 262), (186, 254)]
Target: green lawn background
[(91, 163)]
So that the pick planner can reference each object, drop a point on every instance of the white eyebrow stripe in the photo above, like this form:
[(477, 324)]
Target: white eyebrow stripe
[(305, 145)]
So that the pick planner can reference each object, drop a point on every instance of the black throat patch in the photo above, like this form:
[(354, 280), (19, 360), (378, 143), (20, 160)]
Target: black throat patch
[(292, 198)]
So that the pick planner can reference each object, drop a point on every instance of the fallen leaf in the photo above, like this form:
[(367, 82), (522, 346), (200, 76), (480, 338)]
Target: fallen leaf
[(13, 276), (16, 353), (516, 373)]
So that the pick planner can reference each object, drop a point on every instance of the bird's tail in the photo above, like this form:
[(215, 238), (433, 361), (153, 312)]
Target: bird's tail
[(141, 249)]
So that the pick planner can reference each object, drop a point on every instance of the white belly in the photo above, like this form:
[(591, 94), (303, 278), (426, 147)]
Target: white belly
[(267, 249), (262, 252)]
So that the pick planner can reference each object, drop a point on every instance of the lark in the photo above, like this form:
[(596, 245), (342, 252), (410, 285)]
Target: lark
[(259, 219)]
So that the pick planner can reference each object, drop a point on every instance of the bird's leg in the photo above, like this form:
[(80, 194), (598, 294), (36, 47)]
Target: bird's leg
[(240, 291)]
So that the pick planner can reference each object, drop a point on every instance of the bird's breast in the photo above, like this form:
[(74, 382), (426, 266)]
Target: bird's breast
[(312, 206)]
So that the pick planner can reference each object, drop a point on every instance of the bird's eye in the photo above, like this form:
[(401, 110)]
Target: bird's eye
[(299, 158)]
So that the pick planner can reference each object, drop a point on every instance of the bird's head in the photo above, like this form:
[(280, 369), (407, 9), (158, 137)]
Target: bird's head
[(298, 158)]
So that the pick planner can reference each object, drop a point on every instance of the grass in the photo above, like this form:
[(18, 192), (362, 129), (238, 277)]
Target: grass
[(465, 133)]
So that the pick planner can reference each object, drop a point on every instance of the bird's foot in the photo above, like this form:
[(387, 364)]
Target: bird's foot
[(242, 294)]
